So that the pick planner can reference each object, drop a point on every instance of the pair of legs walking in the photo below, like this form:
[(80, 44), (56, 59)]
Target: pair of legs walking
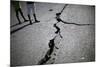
[(31, 8), (34, 18), (17, 15)]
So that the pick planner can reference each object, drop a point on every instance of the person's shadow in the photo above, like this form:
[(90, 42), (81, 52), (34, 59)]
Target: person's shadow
[(15, 30), (19, 28)]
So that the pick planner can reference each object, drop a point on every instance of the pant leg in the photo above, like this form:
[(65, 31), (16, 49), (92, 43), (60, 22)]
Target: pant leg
[(29, 9), (33, 8), (17, 15), (34, 14), (22, 14)]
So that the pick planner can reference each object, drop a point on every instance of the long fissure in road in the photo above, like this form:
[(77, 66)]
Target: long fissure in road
[(52, 44)]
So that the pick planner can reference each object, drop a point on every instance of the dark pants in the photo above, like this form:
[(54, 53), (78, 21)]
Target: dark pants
[(17, 15)]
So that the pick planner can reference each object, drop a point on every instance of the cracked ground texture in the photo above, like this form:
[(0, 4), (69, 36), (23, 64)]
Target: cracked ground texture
[(30, 44)]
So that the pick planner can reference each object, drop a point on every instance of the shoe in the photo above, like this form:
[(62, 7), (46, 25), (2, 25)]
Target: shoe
[(36, 21), (25, 20), (31, 23), (19, 23)]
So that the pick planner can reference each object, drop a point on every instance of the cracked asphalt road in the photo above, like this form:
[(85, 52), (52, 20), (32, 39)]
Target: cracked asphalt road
[(30, 44)]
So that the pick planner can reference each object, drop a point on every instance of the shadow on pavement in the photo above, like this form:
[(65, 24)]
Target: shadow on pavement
[(18, 29)]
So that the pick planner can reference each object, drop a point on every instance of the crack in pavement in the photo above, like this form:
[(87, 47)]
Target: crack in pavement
[(51, 44), (49, 52), (63, 8), (57, 32), (60, 20)]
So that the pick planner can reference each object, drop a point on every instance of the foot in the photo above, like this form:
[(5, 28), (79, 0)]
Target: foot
[(36, 21), (31, 23), (25, 20), (19, 23)]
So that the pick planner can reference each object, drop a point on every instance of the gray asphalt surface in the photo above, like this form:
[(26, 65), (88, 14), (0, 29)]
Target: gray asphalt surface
[(30, 44)]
